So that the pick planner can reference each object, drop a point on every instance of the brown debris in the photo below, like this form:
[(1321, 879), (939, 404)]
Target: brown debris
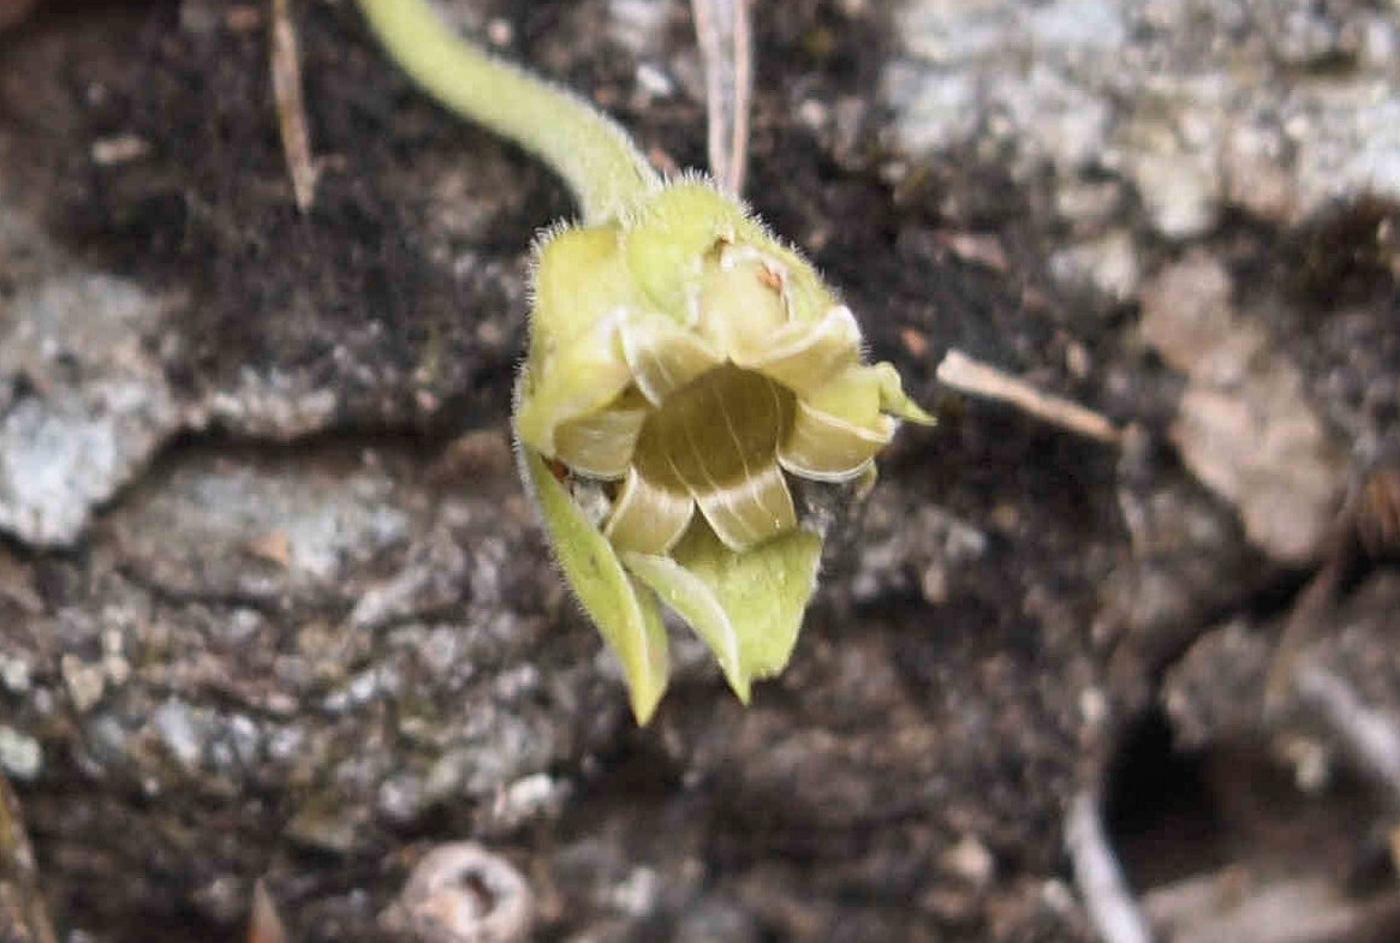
[(1099, 876), (291, 105), (1378, 512), (23, 916), (1367, 528)]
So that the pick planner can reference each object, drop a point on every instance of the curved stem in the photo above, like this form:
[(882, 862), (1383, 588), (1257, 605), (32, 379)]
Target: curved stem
[(589, 150)]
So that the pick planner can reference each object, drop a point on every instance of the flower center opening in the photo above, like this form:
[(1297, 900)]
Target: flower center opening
[(712, 444)]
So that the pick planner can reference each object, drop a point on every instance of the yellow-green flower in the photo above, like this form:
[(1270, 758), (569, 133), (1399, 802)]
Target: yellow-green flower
[(695, 367), (685, 370)]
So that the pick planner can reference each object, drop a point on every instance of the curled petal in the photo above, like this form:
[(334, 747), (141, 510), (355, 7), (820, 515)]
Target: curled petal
[(668, 238), (663, 356), (804, 357), (601, 445), (894, 400), (653, 507), (749, 511), (826, 447), (720, 435), (838, 428), (576, 366), (743, 299), (581, 380)]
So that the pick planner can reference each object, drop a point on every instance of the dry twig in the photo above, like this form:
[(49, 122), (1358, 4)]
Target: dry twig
[(1100, 880), (1371, 737), (23, 917), (975, 378), (291, 106), (726, 46)]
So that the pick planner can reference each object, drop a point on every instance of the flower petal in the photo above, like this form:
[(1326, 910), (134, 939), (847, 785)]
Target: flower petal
[(653, 507), (751, 510), (580, 278), (695, 602), (663, 356), (667, 239), (805, 357), (601, 445), (826, 447), (576, 366), (580, 380), (893, 399), (720, 435), (763, 591), (743, 299), (838, 428), (624, 613)]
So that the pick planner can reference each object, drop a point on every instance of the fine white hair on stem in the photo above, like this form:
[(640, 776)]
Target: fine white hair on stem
[(1102, 886), (723, 28)]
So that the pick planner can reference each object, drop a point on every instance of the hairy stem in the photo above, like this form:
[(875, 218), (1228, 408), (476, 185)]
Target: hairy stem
[(589, 150)]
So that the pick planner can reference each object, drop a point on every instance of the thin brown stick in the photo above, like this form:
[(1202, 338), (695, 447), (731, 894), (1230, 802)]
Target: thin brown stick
[(966, 375), (291, 105), (1303, 625), (723, 29), (23, 917)]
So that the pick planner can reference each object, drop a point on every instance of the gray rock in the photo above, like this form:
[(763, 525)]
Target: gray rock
[(1245, 427), (462, 893), (179, 730), (1059, 83), (100, 404), (21, 756), (1108, 265), (259, 530)]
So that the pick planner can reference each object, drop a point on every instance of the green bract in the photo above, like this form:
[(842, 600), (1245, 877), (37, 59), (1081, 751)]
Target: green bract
[(685, 370)]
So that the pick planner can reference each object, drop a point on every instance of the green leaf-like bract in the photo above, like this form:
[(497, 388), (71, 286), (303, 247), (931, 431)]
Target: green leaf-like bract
[(626, 615)]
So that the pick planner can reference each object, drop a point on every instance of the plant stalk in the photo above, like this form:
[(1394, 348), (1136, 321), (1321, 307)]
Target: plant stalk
[(596, 158)]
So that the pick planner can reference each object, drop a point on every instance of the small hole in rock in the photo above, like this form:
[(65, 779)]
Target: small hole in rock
[(1160, 811), (1223, 843)]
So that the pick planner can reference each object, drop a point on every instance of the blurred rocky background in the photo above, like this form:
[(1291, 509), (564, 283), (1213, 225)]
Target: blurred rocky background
[(272, 606)]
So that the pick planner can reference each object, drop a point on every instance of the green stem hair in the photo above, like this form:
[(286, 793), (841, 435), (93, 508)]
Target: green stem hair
[(589, 150)]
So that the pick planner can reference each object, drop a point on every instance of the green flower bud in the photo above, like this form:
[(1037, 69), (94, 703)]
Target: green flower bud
[(684, 364), (693, 364)]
